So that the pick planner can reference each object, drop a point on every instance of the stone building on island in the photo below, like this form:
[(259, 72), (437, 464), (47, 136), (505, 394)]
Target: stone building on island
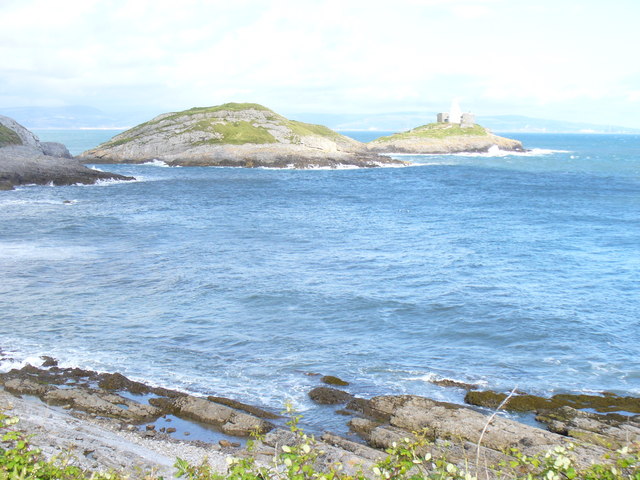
[(455, 116)]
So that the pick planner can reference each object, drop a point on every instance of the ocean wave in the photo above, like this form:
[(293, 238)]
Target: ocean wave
[(497, 152), (107, 182), (8, 202), (41, 251), (493, 152), (159, 163), (340, 166)]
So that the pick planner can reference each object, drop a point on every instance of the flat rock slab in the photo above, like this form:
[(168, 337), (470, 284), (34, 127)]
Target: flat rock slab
[(20, 165), (227, 419)]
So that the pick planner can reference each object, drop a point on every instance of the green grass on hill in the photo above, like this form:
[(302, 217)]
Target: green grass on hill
[(234, 133), (231, 107), (8, 137), (303, 129), (436, 130)]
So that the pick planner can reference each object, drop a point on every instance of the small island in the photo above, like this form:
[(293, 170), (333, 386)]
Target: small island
[(25, 160), (453, 132), (236, 135)]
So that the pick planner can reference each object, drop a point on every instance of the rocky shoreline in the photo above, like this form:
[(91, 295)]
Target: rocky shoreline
[(24, 160), (111, 421)]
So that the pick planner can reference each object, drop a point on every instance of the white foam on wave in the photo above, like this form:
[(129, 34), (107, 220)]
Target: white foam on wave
[(7, 364), (493, 152), (107, 182), (432, 377), (339, 166), (33, 201), (314, 167), (158, 163), (40, 251)]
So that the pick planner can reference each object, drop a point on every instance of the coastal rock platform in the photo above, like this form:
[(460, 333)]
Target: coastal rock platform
[(111, 421)]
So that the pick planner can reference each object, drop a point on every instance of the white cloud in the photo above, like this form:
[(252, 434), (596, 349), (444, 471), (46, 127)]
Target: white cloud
[(633, 96), (324, 55)]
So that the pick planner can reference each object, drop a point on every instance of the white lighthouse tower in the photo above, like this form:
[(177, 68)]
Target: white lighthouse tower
[(456, 117), (455, 113)]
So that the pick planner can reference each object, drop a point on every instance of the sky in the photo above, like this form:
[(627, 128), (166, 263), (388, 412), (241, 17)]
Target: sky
[(557, 59)]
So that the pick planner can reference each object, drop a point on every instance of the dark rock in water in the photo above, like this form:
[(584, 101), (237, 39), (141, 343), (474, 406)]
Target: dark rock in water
[(80, 373), (170, 430), (258, 412), (49, 361), (446, 382), (331, 380), (329, 396), (117, 381), (533, 403), (28, 368)]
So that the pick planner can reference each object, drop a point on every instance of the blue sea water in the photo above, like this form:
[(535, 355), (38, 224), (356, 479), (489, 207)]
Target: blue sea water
[(497, 269)]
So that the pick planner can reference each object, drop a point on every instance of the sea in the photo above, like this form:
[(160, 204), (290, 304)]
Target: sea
[(504, 270)]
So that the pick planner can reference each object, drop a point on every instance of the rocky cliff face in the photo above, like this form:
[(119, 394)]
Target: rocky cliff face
[(443, 138), (25, 160), (233, 134)]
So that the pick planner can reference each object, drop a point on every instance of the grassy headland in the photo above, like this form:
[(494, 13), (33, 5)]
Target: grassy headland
[(437, 130)]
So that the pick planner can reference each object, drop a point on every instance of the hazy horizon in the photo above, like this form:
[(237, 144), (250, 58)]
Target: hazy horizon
[(563, 62)]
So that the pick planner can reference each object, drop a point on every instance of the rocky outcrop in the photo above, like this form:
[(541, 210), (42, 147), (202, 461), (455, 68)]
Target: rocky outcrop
[(55, 149), (25, 160), (227, 419), (115, 396), (533, 403), (456, 432), (329, 396), (101, 403), (333, 452), (611, 431), (443, 138), (233, 134)]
